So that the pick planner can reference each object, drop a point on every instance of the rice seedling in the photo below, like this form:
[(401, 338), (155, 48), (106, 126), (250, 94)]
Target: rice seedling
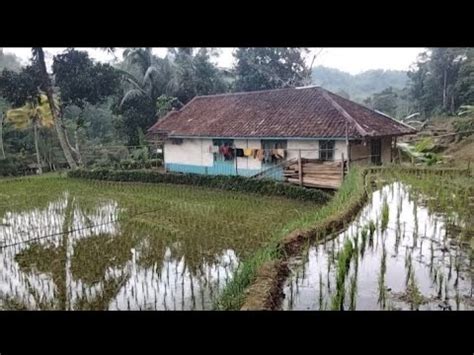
[(363, 235), (342, 270), (321, 285), (353, 293), (78, 234), (385, 215), (372, 228), (381, 279)]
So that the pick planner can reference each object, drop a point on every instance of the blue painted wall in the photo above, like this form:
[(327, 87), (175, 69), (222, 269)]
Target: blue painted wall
[(222, 168)]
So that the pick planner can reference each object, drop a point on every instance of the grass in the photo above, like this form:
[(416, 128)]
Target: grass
[(350, 193), (197, 225), (385, 215)]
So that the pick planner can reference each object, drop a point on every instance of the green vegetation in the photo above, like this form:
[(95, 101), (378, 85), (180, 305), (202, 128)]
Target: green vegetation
[(385, 215), (196, 225), (232, 183), (318, 221), (344, 258)]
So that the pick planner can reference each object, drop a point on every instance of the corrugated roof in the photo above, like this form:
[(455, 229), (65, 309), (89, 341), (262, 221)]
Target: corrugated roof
[(310, 112)]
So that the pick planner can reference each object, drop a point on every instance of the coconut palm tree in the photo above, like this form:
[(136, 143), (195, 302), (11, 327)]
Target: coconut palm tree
[(2, 107), (47, 86), (36, 114), (147, 75)]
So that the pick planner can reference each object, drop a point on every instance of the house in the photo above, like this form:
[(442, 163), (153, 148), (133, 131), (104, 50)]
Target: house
[(249, 133)]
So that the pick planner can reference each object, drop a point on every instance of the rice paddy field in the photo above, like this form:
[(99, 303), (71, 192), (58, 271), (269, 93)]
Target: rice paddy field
[(69, 244), (410, 248)]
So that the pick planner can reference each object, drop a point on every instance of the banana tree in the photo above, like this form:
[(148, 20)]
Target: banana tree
[(34, 114)]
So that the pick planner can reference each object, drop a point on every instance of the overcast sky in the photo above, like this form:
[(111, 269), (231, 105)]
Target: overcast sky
[(352, 60)]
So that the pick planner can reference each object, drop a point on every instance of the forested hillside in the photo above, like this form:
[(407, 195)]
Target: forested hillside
[(360, 86)]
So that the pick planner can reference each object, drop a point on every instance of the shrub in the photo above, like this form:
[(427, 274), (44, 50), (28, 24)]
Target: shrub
[(14, 167), (464, 125), (230, 183)]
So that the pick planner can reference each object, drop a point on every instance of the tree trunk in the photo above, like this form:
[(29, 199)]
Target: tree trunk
[(78, 152), (444, 90), (58, 123), (2, 151), (36, 136)]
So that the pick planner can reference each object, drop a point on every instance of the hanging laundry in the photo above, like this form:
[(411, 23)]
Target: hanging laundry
[(230, 154), (215, 149), (239, 152), (248, 152), (223, 149), (280, 153), (227, 152), (260, 154)]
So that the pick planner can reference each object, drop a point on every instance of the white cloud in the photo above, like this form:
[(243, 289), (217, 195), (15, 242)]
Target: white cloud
[(352, 60)]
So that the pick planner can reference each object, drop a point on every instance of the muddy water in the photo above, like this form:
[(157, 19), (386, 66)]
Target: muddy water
[(68, 258), (414, 262)]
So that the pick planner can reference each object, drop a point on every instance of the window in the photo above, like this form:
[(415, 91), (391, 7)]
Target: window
[(326, 150), (273, 144), (218, 155), (176, 141), (268, 145)]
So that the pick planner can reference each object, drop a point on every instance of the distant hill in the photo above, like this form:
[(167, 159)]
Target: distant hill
[(359, 86)]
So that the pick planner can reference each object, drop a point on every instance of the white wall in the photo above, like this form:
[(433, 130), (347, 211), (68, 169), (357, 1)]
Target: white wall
[(310, 149), (196, 151), (244, 162), (190, 152)]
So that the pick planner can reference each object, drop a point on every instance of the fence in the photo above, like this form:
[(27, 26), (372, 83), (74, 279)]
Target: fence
[(116, 156)]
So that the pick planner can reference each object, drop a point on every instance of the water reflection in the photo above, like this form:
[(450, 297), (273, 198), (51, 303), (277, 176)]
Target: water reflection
[(416, 262), (71, 256)]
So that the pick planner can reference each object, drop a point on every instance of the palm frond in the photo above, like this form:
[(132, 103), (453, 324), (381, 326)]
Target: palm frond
[(151, 69), (130, 94)]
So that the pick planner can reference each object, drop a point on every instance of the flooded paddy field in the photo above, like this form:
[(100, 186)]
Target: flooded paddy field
[(410, 248), (68, 244)]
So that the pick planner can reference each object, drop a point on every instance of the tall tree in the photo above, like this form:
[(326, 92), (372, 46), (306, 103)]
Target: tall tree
[(270, 68), (3, 106), (146, 78), (464, 87), (145, 75), (81, 82), (385, 101), (195, 74), (435, 80), (47, 86)]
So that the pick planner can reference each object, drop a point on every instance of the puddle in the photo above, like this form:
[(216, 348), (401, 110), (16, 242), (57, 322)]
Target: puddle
[(414, 263)]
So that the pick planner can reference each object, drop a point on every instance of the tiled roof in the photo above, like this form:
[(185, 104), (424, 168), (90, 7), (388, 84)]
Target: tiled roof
[(310, 112)]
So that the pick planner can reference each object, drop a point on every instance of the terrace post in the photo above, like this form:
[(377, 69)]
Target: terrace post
[(300, 168), (342, 166), (236, 158)]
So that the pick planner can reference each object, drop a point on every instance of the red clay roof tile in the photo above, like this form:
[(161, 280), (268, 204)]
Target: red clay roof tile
[(310, 112)]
